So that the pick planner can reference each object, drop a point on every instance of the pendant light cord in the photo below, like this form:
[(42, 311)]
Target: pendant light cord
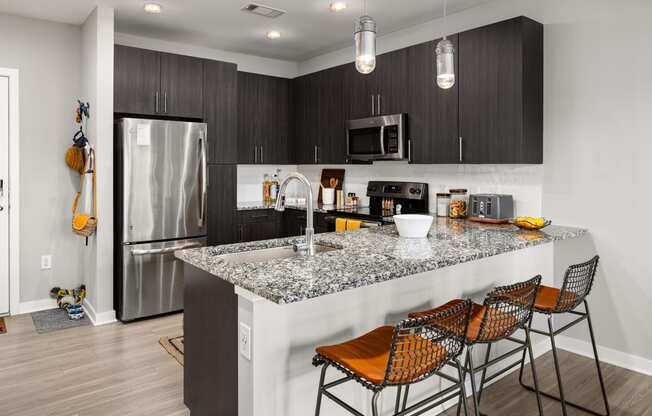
[(445, 18)]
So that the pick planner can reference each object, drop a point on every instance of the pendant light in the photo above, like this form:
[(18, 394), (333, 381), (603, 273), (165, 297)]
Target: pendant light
[(445, 59), (365, 42)]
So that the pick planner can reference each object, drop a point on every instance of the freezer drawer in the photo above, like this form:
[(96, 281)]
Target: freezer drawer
[(152, 278)]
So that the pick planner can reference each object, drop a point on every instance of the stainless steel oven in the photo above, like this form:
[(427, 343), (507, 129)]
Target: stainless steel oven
[(377, 138)]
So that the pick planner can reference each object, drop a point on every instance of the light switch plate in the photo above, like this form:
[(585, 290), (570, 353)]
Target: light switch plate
[(46, 262), (245, 340)]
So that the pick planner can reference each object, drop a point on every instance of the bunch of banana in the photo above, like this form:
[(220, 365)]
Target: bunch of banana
[(530, 223)]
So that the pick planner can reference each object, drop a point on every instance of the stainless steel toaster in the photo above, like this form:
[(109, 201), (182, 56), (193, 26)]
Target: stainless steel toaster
[(491, 206)]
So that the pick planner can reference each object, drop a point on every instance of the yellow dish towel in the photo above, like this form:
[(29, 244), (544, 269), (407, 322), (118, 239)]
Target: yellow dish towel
[(353, 225), (340, 225)]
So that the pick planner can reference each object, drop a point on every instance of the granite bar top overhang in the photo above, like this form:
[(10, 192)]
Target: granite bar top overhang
[(367, 257)]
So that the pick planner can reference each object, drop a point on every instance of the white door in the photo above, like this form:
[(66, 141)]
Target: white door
[(4, 195)]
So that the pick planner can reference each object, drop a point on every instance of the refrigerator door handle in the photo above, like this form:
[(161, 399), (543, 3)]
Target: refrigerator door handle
[(167, 250), (204, 182)]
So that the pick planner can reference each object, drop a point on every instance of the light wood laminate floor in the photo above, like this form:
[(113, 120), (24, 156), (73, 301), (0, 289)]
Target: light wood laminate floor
[(121, 370)]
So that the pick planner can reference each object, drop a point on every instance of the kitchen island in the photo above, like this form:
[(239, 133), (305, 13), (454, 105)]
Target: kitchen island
[(251, 324)]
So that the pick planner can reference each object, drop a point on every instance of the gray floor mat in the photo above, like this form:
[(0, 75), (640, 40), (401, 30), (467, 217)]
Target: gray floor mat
[(54, 320)]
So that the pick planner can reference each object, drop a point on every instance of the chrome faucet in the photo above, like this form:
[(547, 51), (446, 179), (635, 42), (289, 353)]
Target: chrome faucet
[(309, 247)]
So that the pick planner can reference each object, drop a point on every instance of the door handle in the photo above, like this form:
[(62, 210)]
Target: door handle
[(378, 106), (316, 155), (409, 143), (262, 160), (204, 183), (382, 140), (461, 149), (165, 102), (373, 112), (167, 250), (255, 154), (156, 100)]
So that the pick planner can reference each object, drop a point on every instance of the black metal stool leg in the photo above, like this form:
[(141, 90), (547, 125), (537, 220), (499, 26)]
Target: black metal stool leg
[(319, 391), (557, 370), (466, 363), (597, 360), (473, 387), (484, 373), (398, 399), (405, 396), (534, 370), (374, 403), (520, 374), (462, 378)]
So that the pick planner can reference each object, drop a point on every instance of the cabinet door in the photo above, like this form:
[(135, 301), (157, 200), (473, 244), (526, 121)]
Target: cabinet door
[(275, 96), (306, 114), (432, 111), (220, 110), (391, 81), (222, 198), (249, 115), (136, 80), (359, 93), (330, 127), (501, 100), (182, 79)]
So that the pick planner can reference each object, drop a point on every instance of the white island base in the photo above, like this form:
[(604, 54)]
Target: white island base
[(279, 378)]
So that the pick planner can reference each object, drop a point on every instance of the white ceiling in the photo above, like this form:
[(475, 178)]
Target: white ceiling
[(308, 29)]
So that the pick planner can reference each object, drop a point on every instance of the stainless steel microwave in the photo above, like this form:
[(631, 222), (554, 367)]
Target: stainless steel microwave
[(377, 138)]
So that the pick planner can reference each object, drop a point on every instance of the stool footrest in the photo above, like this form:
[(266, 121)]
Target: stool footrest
[(569, 403)]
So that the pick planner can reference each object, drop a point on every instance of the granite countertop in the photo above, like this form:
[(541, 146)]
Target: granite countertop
[(366, 257), (255, 205)]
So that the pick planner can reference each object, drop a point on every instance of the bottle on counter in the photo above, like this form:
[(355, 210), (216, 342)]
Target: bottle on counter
[(458, 203), (273, 192), (266, 189), (443, 202)]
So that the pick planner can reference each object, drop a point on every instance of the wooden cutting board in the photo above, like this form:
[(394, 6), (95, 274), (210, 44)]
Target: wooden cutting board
[(327, 175)]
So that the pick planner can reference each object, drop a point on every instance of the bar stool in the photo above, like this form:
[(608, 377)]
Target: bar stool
[(398, 356), (505, 310), (550, 301)]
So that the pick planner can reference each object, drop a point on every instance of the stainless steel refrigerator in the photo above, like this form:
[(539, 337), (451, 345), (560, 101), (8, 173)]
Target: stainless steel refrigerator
[(161, 187)]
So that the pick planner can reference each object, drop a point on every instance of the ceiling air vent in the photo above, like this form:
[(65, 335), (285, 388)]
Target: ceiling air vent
[(262, 10)]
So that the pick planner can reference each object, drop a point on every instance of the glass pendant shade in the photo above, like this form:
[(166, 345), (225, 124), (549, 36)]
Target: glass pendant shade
[(365, 45), (445, 58)]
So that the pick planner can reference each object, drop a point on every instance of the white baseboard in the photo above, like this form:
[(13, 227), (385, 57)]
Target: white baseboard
[(36, 305), (98, 319), (607, 355)]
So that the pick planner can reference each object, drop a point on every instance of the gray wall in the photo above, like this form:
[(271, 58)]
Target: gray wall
[(48, 57)]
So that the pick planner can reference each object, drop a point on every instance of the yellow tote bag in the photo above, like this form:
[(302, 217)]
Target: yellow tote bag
[(86, 224)]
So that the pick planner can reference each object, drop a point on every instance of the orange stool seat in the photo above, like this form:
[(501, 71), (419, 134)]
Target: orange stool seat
[(368, 355), (547, 298)]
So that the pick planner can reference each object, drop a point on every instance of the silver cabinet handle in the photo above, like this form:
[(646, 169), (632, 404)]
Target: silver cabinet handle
[(204, 183), (409, 143), (373, 112), (167, 250), (156, 95), (382, 140), (165, 102), (461, 149), (378, 107), (255, 154), (316, 157), (262, 160)]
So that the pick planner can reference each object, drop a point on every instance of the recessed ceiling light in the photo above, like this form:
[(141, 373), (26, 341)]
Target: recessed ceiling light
[(152, 8), (273, 34), (337, 6)]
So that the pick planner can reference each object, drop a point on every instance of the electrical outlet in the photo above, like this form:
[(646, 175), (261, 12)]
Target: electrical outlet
[(245, 340), (46, 262)]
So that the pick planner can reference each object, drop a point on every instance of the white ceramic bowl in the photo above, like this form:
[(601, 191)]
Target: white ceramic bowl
[(413, 225)]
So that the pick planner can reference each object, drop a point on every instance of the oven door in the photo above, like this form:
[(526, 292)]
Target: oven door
[(376, 138)]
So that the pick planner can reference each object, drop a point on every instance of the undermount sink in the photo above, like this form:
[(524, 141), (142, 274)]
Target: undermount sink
[(266, 254)]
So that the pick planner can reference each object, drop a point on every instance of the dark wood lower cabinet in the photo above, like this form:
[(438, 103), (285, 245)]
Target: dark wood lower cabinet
[(265, 224), (222, 196), (210, 328)]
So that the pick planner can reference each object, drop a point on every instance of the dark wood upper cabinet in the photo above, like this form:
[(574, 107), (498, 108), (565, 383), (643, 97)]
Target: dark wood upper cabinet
[(432, 112), (501, 92), (222, 197), (265, 119), (392, 76), (137, 77), (359, 93), (182, 79), (155, 83), (220, 110)]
